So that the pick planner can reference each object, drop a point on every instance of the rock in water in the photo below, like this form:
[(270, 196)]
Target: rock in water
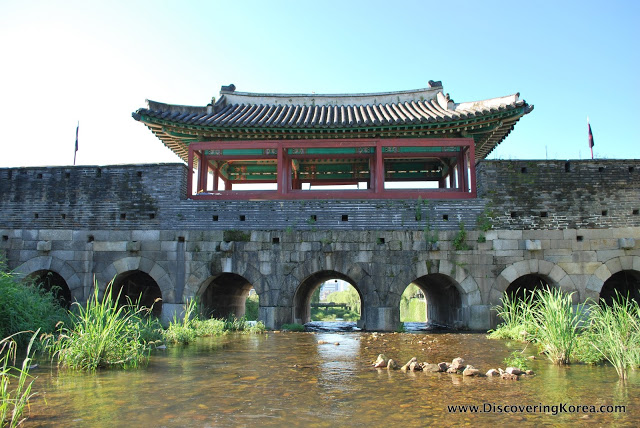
[(381, 361), (443, 366), (457, 363), (509, 376), (470, 371), (406, 366), (391, 365), (434, 368), (492, 372), (514, 371)]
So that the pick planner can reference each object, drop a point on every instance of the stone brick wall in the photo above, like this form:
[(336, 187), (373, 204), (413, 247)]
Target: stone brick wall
[(559, 195)]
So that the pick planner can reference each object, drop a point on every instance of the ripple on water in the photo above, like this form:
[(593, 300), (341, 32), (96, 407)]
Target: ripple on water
[(304, 379)]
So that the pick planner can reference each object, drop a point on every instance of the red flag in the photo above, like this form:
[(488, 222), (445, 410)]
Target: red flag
[(591, 144)]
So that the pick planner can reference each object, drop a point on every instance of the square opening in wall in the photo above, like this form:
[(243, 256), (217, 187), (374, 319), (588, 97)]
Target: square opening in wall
[(35, 215), (275, 240), (214, 218), (579, 238), (544, 214), (567, 167), (445, 217), (514, 214), (380, 241), (67, 175), (180, 238), (152, 216), (5, 237), (90, 238), (313, 218), (99, 172), (636, 212), (64, 216), (243, 218), (123, 216), (631, 169), (39, 176), (523, 170), (601, 169), (345, 217), (605, 213), (139, 173)]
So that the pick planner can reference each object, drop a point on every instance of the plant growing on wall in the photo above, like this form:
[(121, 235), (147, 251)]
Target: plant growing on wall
[(460, 241), (483, 223)]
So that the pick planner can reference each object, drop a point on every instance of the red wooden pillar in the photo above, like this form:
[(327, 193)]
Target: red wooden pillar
[(282, 171), (190, 173), (472, 167), (378, 182), (202, 172), (215, 179), (460, 165)]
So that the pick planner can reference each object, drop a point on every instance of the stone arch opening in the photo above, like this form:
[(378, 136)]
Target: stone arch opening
[(138, 287), (53, 282), (443, 301), (224, 295), (625, 282), (526, 284), (306, 289)]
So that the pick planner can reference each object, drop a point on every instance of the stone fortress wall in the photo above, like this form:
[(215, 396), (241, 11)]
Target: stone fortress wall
[(575, 225)]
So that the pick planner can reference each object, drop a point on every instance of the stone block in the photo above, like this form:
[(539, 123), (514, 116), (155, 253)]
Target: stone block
[(533, 245), (44, 246), (626, 243), (55, 235), (133, 246), (169, 246), (99, 246), (505, 244), (479, 317), (145, 235), (510, 234)]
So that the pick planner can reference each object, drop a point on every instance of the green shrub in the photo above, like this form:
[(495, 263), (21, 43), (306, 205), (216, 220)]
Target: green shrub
[(517, 360), (252, 306)]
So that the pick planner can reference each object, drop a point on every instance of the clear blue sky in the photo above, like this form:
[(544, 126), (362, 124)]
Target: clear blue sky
[(96, 62)]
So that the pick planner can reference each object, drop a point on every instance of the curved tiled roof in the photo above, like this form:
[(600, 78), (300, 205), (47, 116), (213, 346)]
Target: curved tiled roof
[(424, 112)]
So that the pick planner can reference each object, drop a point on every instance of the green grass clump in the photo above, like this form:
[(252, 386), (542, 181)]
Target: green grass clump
[(15, 387), (517, 360), (26, 307), (615, 329), (292, 327), (557, 324), (100, 335), (517, 318), (190, 326)]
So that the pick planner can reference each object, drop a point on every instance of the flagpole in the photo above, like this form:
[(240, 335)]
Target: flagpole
[(590, 137), (76, 150)]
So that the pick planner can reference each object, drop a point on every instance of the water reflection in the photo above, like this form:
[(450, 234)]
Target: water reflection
[(293, 379)]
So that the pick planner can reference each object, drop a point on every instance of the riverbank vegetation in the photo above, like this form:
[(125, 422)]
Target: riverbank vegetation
[(564, 332), (26, 307), (15, 382)]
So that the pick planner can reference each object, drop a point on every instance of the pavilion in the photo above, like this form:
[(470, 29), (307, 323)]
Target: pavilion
[(389, 145)]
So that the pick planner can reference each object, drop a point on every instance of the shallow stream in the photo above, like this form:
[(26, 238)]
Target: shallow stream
[(296, 380)]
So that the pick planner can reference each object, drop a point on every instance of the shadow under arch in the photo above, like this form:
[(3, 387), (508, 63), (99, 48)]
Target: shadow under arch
[(53, 282), (443, 299), (223, 295), (302, 297), (625, 283), (137, 287), (525, 285), (41, 264)]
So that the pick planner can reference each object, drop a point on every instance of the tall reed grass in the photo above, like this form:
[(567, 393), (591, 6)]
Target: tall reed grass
[(100, 335), (557, 323), (15, 387), (616, 333), (517, 318)]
